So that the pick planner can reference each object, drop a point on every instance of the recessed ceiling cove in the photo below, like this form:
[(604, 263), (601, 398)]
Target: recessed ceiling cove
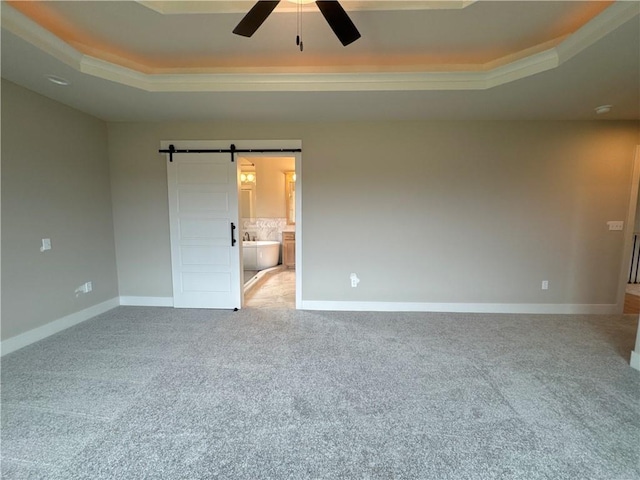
[(189, 46)]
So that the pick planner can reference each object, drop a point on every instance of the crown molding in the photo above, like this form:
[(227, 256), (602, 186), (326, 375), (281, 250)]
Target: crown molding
[(25, 28), (182, 7), (609, 20), (480, 78)]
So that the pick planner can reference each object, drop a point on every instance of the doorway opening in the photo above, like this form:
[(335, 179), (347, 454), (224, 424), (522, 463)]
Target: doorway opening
[(268, 213), (631, 303), (204, 193)]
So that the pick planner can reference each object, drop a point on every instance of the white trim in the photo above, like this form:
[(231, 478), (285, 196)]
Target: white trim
[(477, 77), (25, 28), (27, 338), (635, 360), (531, 308), (629, 229), (146, 301), (597, 28), (299, 270)]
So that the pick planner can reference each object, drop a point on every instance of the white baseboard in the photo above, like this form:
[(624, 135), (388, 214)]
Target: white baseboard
[(635, 360), (146, 301), (531, 308), (27, 338)]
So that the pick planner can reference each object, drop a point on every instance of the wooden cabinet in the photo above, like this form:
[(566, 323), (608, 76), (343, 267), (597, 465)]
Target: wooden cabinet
[(289, 249)]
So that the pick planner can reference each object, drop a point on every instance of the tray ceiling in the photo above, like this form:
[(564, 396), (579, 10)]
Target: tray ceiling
[(406, 46)]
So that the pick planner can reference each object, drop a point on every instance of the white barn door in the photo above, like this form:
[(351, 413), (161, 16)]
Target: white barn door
[(203, 208)]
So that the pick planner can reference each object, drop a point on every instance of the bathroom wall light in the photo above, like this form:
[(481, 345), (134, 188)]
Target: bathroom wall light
[(248, 177)]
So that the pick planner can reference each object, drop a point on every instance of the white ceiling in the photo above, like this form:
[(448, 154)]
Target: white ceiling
[(482, 60)]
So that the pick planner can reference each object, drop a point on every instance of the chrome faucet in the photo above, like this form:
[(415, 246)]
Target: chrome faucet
[(246, 236)]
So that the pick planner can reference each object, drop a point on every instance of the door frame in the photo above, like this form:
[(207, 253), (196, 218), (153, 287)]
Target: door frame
[(257, 145), (285, 144), (629, 230)]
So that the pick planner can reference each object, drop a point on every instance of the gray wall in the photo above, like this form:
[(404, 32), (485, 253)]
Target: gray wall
[(55, 184), (471, 212)]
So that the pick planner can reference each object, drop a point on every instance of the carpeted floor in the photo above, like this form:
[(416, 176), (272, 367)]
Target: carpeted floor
[(153, 393)]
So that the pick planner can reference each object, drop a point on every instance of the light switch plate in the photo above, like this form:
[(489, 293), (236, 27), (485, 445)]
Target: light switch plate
[(616, 225), (46, 244)]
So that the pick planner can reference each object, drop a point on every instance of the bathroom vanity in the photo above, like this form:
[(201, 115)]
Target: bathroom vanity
[(289, 249)]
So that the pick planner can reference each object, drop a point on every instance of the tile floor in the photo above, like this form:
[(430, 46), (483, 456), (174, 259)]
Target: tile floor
[(632, 299), (633, 289), (248, 275), (275, 290)]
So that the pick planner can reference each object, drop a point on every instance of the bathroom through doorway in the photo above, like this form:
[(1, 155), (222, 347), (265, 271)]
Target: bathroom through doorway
[(269, 224)]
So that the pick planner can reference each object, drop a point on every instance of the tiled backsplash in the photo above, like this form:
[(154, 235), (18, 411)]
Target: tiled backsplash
[(264, 228)]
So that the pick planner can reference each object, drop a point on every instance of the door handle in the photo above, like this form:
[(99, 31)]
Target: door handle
[(233, 237)]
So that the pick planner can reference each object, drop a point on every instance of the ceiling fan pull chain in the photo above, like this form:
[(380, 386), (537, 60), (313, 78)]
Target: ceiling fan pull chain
[(299, 37)]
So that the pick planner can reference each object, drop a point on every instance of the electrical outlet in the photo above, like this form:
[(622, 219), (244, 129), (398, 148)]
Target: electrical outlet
[(616, 225), (84, 288), (46, 244), (545, 285), (354, 280)]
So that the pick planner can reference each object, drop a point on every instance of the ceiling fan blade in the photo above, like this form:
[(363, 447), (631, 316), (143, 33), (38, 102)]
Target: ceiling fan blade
[(256, 17), (339, 21)]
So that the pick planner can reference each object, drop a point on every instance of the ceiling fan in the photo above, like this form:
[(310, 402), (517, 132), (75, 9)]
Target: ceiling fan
[(333, 13)]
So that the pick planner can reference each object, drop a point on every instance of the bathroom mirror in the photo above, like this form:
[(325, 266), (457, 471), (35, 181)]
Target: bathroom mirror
[(247, 202), (265, 185), (290, 196), (247, 194)]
